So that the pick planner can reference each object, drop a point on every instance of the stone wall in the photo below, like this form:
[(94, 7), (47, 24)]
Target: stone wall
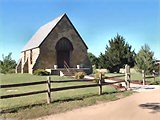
[(25, 67), (19, 66), (26, 63)]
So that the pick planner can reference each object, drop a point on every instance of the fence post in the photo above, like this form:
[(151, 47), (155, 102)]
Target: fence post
[(129, 79), (100, 84), (143, 77), (48, 89), (154, 77), (127, 76)]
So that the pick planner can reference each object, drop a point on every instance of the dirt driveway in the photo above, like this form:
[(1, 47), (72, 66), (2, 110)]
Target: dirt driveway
[(140, 106)]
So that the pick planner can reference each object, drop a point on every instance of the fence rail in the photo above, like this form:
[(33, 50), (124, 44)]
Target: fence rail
[(74, 87), (22, 84), (22, 94), (112, 77), (149, 77), (43, 82), (81, 80)]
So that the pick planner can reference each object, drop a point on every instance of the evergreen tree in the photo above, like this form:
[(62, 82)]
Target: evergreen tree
[(145, 60), (103, 61), (7, 65), (117, 54)]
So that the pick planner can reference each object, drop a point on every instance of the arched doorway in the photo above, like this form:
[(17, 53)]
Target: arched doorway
[(63, 50)]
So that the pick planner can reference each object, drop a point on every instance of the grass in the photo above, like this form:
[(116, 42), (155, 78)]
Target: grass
[(35, 105), (38, 110), (134, 76), (22, 78)]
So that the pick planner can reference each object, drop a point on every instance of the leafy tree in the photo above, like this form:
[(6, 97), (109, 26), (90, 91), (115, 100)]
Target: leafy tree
[(93, 59), (103, 61), (7, 64), (117, 54), (145, 60)]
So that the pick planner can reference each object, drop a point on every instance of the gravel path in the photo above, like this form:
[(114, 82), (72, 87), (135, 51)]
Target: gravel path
[(144, 105)]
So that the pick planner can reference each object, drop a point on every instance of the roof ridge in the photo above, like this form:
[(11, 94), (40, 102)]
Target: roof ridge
[(54, 19)]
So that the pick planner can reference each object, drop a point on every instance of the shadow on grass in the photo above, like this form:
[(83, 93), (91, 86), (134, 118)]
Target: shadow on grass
[(69, 99), (153, 106)]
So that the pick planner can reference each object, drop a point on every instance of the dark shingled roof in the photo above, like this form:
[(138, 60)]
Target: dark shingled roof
[(43, 32)]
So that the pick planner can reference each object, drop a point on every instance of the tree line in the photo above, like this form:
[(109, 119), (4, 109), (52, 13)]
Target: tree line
[(119, 52), (7, 64)]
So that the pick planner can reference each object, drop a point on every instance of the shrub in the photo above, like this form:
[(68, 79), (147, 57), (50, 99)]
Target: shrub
[(40, 72), (80, 75), (97, 74)]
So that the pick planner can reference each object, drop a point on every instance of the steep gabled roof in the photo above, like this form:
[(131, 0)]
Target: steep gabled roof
[(43, 32)]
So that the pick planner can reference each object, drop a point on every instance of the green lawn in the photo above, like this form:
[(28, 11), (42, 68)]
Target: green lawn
[(61, 101)]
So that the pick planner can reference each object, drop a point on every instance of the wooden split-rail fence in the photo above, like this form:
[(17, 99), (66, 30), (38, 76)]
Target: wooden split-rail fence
[(49, 90), (144, 77)]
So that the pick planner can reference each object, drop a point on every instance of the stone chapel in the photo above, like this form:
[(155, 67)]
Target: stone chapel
[(55, 46)]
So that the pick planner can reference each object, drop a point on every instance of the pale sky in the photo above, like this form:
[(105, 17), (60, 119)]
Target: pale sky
[(138, 21)]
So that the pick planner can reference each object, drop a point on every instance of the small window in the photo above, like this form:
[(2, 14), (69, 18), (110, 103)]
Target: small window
[(31, 56)]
